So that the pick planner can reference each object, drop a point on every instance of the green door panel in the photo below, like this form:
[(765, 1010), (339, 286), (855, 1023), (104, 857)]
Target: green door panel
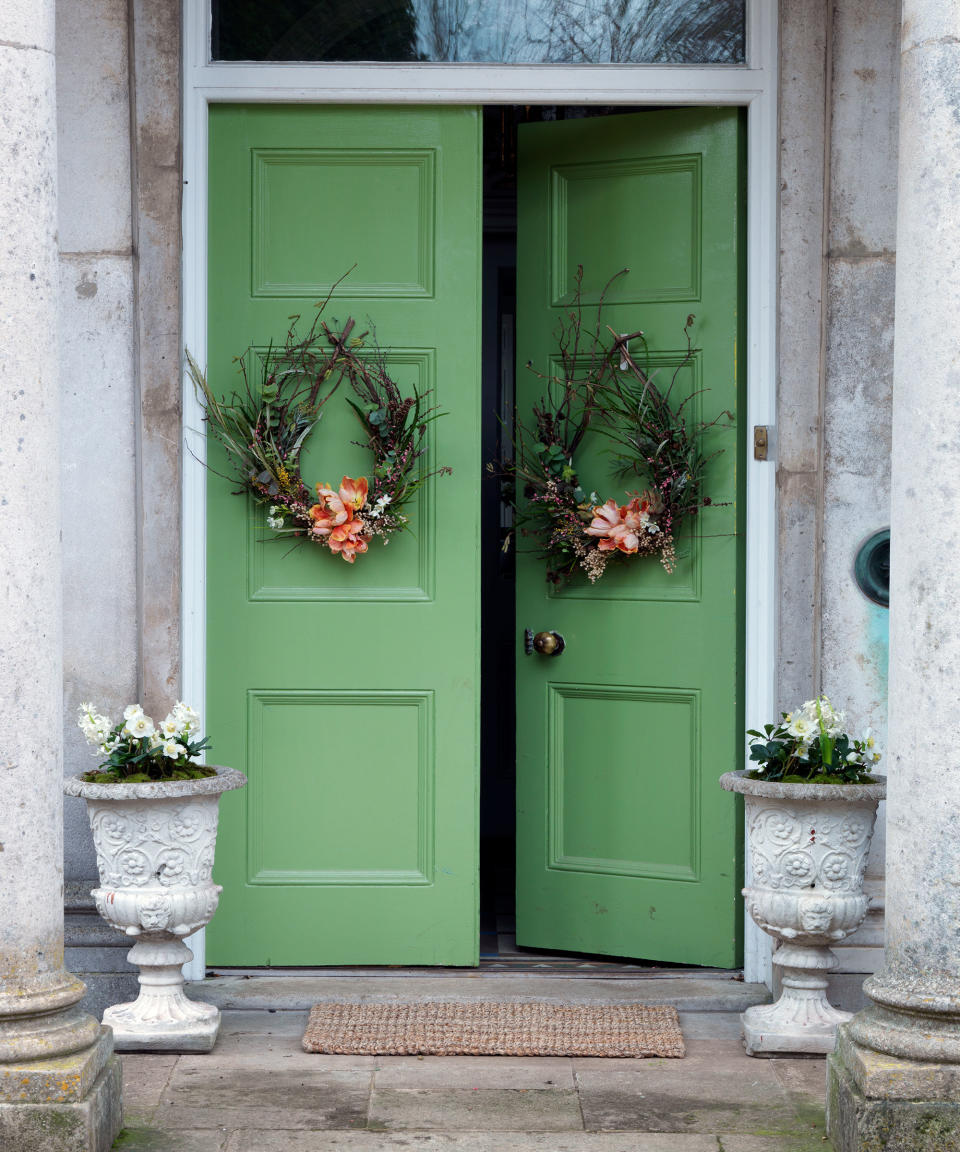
[(337, 688), (625, 843)]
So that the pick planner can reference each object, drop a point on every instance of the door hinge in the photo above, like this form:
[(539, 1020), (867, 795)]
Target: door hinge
[(760, 441)]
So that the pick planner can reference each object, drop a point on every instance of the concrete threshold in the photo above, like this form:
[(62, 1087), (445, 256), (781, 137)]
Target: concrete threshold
[(296, 993)]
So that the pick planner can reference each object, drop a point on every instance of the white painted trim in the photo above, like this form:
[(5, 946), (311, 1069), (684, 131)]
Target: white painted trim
[(753, 85)]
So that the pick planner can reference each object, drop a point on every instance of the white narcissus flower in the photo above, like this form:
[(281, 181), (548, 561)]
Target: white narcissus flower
[(139, 727), (173, 750)]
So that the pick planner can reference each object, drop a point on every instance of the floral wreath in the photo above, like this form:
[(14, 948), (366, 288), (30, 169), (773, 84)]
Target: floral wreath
[(264, 428), (601, 387)]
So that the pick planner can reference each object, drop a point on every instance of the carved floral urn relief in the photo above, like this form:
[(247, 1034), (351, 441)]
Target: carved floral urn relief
[(808, 847), (155, 846)]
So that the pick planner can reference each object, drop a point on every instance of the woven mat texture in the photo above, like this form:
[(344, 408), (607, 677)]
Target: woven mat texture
[(494, 1028)]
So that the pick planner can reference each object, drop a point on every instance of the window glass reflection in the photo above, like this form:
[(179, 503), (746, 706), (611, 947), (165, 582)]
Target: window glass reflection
[(482, 31)]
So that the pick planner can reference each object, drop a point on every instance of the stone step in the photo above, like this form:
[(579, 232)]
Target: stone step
[(88, 930), (285, 993)]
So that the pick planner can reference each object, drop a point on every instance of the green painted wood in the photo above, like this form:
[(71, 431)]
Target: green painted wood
[(625, 843), (348, 694)]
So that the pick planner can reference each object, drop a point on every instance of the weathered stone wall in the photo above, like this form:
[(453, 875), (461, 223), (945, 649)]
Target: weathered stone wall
[(118, 81), (839, 78), (98, 382)]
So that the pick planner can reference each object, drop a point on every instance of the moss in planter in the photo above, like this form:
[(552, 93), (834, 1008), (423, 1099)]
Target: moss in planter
[(192, 772)]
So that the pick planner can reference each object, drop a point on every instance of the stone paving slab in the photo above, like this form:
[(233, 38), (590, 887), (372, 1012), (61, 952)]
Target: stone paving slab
[(814, 1141), (477, 1109), (270, 1040), (138, 1139), (488, 1072), (716, 1088), (144, 1079), (247, 1096), (258, 1141)]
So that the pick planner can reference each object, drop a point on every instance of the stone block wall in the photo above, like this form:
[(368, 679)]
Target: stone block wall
[(118, 84), (838, 120)]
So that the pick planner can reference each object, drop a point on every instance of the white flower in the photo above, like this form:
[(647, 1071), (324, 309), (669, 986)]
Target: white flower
[(854, 758), (156, 740), (95, 728), (139, 727), (171, 727), (132, 711), (380, 504), (275, 518), (174, 750), (801, 727), (185, 716)]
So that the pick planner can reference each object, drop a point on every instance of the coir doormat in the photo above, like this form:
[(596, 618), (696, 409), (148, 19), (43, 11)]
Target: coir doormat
[(494, 1028)]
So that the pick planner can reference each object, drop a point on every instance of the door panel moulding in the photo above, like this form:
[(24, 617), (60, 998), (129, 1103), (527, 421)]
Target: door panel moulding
[(753, 86)]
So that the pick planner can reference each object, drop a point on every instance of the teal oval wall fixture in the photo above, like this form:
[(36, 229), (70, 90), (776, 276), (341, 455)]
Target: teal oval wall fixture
[(871, 568)]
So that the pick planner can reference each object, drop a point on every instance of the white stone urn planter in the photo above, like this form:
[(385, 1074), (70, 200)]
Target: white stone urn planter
[(808, 851), (155, 843)]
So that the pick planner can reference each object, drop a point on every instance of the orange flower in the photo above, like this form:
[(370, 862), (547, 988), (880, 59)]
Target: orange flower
[(620, 527), (354, 492), (335, 508), (348, 540)]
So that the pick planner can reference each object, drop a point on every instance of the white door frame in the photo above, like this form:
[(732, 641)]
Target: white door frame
[(753, 85)]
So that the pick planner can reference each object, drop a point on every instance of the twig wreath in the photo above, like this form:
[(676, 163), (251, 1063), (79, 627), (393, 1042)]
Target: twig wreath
[(602, 387), (265, 426)]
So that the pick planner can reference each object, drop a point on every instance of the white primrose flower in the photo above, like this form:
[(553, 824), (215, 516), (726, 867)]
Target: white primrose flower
[(139, 727), (173, 750)]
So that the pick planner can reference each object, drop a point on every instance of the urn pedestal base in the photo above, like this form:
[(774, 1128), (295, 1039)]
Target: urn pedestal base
[(802, 1020), (808, 852), (162, 1018), (155, 843)]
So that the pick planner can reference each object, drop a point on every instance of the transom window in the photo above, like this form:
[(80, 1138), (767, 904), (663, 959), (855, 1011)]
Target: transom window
[(481, 31)]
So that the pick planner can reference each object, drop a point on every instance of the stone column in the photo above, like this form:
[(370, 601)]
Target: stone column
[(59, 1081), (894, 1081)]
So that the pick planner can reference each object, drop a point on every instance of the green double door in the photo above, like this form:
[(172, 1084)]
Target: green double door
[(350, 694)]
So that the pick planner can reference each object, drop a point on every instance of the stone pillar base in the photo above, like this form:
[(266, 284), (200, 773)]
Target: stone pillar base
[(70, 1104), (880, 1103)]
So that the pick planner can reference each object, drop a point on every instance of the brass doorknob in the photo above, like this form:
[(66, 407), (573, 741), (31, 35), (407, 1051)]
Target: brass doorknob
[(548, 643)]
